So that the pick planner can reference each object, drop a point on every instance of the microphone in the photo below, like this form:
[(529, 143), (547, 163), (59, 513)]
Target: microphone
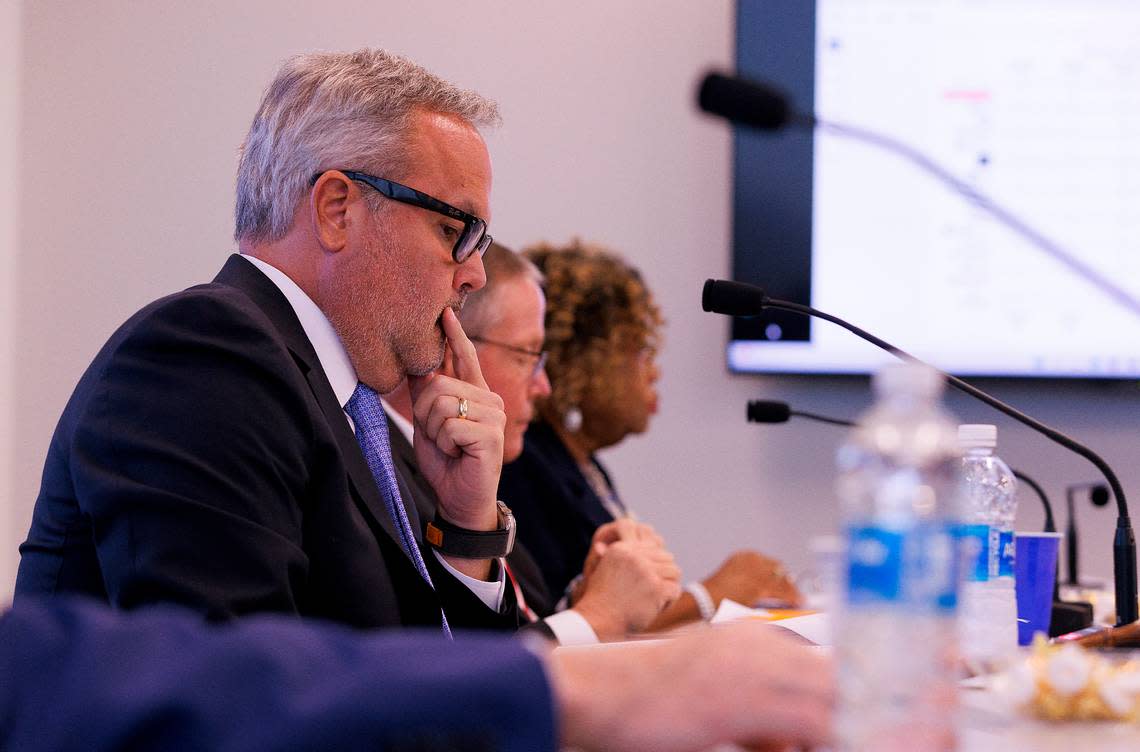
[(1065, 616), (771, 411), (748, 103), (721, 296), (732, 298), (767, 411)]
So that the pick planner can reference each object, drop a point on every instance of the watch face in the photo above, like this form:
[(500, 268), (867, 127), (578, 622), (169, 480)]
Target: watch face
[(508, 526), (507, 516)]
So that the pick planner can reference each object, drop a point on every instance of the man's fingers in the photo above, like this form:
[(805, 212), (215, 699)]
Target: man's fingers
[(647, 534), (627, 529), (455, 437), (610, 531), (669, 572), (437, 399), (448, 407), (466, 360)]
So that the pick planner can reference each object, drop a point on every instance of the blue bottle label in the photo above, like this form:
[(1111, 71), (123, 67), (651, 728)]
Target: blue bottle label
[(975, 544), (916, 568), (1008, 550)]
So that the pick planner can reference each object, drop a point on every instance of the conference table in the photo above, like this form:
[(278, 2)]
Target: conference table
[(986, 724), (985, 727)]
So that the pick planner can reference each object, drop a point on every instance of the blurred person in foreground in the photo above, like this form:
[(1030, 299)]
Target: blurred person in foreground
[(602, 334), (636, 577), (78, 676)]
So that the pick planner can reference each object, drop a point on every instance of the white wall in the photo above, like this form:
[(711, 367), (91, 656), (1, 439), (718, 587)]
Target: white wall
[(11, 516), (132, 113)]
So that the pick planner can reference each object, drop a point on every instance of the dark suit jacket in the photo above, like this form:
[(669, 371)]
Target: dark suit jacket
[(79, 677), (522, 564), (204, 459), (556, 510)]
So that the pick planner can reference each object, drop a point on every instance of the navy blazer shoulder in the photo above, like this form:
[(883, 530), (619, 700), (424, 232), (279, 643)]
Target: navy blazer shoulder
[(204, 460), (81, 677)]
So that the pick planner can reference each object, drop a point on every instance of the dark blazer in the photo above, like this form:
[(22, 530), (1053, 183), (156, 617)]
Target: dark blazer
[(556, 510), (80, 678), (521, 563), (204, 459)]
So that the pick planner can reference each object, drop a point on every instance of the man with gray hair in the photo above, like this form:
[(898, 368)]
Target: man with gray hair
[(226, 450)]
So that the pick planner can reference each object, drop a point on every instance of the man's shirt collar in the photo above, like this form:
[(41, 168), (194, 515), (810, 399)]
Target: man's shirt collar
[(326, 342)]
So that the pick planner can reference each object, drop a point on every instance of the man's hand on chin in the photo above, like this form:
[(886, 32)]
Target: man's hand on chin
[(458, 442)]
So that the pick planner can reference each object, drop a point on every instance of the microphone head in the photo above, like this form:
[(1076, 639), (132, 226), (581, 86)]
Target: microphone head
[(732, 298), (744, 102), (1099, 495), (768, 411)]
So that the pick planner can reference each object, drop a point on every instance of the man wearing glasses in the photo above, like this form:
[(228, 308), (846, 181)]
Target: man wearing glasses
[(226, 450), (627, 582)]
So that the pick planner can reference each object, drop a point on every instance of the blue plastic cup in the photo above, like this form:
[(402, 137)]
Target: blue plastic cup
[(1035, 569)]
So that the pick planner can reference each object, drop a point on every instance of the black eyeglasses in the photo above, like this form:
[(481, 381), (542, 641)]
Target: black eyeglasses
[(539, 364), (473, 238)]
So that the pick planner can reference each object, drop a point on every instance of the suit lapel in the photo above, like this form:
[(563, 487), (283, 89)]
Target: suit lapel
[(421, 500), (358, 471), (585, 502), (244, 276)]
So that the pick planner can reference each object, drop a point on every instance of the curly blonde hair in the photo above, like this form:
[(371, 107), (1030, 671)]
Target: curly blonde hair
[(598, 310)]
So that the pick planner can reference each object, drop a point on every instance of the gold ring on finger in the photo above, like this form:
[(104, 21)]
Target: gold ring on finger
[(462, 408)]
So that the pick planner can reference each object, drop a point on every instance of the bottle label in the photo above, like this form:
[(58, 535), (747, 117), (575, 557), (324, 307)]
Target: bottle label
[(995, 552), (1008, 551), (915, 568), (975, 542)]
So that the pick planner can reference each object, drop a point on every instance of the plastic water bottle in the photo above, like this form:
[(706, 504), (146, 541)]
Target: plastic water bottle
[(896, 633), (989, 602)]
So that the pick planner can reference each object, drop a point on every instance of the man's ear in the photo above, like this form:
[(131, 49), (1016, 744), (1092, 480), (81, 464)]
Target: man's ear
[(329, 202)]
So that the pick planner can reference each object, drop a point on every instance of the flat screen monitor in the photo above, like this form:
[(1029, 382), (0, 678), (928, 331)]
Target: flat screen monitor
[(1034, 103)]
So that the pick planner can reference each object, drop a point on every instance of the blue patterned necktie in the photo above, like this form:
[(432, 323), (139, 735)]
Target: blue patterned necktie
[(372, 434)]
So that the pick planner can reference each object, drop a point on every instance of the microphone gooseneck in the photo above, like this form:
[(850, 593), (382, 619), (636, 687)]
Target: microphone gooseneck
[(763, 106), (770, 411), (1050, 524), (722, 296)]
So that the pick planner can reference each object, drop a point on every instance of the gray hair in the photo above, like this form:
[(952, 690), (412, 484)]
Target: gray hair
[(480, 311), (335, 110)]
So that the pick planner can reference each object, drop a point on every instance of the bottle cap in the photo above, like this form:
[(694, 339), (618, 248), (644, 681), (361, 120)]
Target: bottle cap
[(977, 436)]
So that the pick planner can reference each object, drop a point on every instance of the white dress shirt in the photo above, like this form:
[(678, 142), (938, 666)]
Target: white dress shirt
[(338, 368)]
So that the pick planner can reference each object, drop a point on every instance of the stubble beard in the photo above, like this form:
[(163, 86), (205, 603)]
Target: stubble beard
[(385, 322)]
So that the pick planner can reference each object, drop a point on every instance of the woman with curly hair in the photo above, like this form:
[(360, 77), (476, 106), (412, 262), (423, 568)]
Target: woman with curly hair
[(602, 334)]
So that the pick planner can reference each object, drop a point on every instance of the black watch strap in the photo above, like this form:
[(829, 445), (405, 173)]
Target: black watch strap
[(452, 540)]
